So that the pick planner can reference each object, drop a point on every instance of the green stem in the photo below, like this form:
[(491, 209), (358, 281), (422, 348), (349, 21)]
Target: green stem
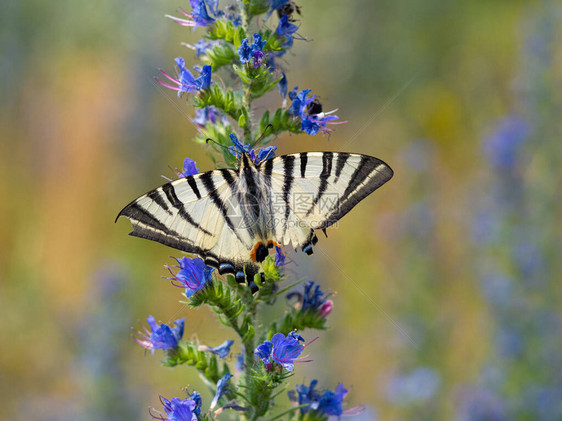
[(247, 96)]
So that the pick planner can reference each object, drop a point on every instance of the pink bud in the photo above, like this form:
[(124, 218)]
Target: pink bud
[(326, 308)]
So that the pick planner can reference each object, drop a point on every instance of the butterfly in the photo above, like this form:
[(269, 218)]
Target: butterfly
[(231, 218)]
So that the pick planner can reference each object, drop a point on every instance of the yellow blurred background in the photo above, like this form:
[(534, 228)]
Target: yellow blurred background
[(85, 129)]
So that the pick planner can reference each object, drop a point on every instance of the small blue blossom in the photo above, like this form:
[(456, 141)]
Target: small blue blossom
[(239, 148), (480, 405), (328, 402), (222, 350), (313, 299), (265, 153), (184, 80), (209, 115), (287, 29), (240, 362), (160, 337), (196, 397), (281, 350), (275, 5), (279, 256), (309, 110), (263, 351), (221, 389), (283, 86), (417, 386), (198, 17), (246, 52), (189, 168), (193, 274), (503, 146), (177, 409), (202, 46)]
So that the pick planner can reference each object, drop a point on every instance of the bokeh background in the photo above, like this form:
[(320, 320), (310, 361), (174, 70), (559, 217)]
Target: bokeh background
[(447, 280)]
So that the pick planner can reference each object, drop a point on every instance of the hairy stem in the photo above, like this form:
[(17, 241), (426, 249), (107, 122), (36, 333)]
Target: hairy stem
[(247, 96)]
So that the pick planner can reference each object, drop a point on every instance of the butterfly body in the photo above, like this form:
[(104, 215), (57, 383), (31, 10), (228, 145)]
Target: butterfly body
[(232, 217)]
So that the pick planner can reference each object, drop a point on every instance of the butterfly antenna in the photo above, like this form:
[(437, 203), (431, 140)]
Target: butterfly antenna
[(269, 128), (216, 143)]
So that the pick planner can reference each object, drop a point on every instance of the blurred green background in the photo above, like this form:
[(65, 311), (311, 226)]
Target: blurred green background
[(447, 280)]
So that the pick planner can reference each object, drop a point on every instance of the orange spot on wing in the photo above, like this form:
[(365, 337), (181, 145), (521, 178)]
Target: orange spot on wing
[(255, 250)]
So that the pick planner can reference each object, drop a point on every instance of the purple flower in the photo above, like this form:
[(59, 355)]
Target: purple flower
[(504, 145), (328, 402), (198, 17), (160, 337), (177, 409), (222, 350), (313, 299), (240, 362), (264, 153), (189, 168), (282, 86), (263, 351), (279, 256), (221, 389), (196, 397), (417, 386), (193, 274), (282, 350), (288, 30), (209, 115), (184, 80), (309, 110), (202, 46), (239, 148), (246, 52), (275, 5)]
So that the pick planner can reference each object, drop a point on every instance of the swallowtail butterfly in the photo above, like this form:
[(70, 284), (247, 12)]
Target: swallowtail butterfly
[(232, 217)]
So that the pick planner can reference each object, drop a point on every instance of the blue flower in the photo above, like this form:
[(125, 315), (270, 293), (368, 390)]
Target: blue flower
[(221, 389), (480, 405), (309, 110), (160, 337), (240, 362), (193, 274), (279, 256), (209, 115), (313, 299), (189, 168), (177, 409), (196, 397), (184, 80), (282, 350), (264, 153), (246, 52), (504, 145), (198, 17), (417, 386), (202, 46), (263, 351), (287, 29), (239, 148), (282, 86), (328, 402), (222, 350), (275, 5)]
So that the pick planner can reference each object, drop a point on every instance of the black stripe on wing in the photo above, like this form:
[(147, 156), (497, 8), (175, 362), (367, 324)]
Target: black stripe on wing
[(170, 193), (327, 158), (373, 173)]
